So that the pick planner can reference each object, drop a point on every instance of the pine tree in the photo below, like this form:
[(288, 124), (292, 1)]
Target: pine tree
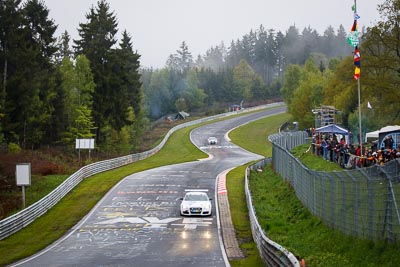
[(215, 57), (10, 22), (233, 56), (97, 38), (328, 42), (63, 47), (130, 74), (30, 87), (291, 47), (185, 59), (309, 41), (182, 61)]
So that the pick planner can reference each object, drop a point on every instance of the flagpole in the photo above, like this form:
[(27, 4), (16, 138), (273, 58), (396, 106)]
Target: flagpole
[(359, 94), (359, 111)]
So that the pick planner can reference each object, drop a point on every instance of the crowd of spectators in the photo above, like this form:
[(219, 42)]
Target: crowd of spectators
[(350, 156)]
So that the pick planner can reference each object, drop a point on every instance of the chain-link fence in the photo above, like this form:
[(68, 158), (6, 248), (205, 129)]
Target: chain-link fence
[(363, 202)]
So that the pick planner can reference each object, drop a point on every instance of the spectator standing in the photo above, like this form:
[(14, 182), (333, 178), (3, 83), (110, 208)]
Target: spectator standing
[(358, 155), (324, 145), (332, 150), (318, 145), (313, 143), (388, 142)]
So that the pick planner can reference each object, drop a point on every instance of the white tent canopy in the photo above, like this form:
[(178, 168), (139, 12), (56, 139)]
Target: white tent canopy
[(389, 128), (375, 134)]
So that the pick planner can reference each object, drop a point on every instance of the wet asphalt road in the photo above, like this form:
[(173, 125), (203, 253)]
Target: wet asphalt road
[(138, 222)]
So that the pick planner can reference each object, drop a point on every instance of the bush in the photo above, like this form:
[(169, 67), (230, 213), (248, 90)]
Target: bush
[(47, 168), (14, 148)]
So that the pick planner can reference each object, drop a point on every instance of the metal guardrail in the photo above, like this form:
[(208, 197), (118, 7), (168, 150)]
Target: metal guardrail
[(271, 252), (362, 202), (16, 222)]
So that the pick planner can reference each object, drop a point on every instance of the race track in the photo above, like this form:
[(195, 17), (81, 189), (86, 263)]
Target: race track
[(138, 222)]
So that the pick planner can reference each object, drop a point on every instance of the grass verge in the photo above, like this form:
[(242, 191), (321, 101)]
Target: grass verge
[(254, 136), (240, 219)]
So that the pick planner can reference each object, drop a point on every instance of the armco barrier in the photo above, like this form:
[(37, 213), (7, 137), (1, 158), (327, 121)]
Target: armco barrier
[(23, 218), (271, 253)]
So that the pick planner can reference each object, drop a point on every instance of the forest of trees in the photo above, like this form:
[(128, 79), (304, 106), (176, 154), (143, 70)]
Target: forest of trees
[(53, 93), (251, 68), (54, 89)]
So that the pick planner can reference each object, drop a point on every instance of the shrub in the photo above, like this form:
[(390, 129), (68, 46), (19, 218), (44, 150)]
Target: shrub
[(14, 148)]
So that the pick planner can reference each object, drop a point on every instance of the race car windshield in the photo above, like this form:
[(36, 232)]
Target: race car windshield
[(193, 197)]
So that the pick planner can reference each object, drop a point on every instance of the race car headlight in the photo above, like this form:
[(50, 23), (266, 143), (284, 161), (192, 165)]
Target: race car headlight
[(206, 206)]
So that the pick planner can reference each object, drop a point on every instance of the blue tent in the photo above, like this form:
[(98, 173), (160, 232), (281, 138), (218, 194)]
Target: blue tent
[(332, 128)]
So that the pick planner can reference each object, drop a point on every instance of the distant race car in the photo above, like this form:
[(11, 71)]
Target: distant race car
[(196, 203), (212, 140)]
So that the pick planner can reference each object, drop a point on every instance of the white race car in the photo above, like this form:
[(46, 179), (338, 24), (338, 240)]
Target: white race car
[(196, 203), (212, 140)]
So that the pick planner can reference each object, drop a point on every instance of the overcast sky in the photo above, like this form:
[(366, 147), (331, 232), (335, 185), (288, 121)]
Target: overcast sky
[(158, 27)]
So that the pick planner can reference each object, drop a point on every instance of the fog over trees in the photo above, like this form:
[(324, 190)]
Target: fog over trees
[(251, 68)]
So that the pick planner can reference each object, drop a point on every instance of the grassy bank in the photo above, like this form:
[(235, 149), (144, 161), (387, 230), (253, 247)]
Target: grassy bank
[(287, 222), (240, 219), (254, 136)]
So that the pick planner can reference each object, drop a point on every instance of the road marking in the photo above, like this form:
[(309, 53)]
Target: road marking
[(148, 192), (136, 220), (169, 175), (193, 223), (132, 220), (217, 147), (180, 171), (155, 223)]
